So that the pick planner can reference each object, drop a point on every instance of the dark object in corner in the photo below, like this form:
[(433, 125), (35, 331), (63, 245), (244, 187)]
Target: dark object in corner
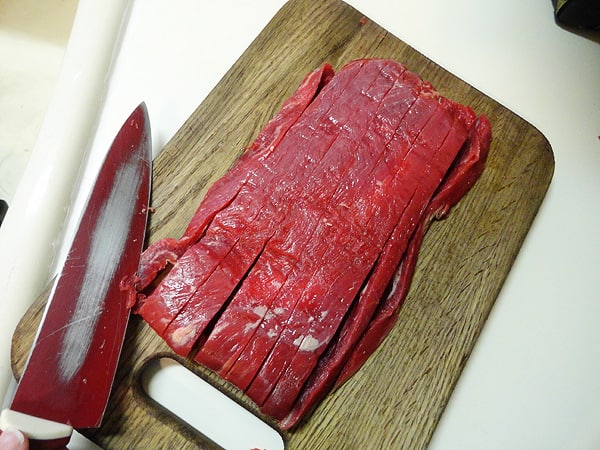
[(3, 209), (578, 13)]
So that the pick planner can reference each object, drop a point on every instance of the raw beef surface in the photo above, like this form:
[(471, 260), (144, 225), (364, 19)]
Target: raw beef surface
[(294, 267), (304, 218), (434, 148), (402, 96)]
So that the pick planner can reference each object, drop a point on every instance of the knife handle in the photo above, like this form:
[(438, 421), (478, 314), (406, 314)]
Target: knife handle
[(43, 434)]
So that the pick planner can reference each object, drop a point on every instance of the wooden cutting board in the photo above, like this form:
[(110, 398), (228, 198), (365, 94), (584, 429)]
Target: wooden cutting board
[(396, 399)]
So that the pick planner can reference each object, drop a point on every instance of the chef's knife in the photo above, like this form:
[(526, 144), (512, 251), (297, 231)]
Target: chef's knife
[(69, 373)]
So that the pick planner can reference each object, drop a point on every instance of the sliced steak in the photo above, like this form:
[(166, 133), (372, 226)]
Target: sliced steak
[(294, 266), (390, 113), (279, 177), (465, 172), (246, 310), (256, 170)]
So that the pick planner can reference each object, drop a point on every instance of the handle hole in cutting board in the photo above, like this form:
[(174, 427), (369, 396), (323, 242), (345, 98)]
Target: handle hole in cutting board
[(205, 408)]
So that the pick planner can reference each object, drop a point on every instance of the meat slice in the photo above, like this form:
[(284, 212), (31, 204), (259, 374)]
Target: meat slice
[(260, 388), (462, 175), (391, 112), (337, 263), (416, 180), (207, 300), (168, 250), (304, 197)]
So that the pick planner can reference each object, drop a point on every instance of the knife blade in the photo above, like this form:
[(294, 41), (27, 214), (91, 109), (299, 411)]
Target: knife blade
[(70, 369)]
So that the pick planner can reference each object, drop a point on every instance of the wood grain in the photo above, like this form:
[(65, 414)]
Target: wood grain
[(396, 399)]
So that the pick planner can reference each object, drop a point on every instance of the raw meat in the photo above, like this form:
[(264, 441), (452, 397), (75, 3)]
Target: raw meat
[(435, 147), (374, 142), (466, 171), (344, 357), (303, 154), (307, 214), (294, 267)]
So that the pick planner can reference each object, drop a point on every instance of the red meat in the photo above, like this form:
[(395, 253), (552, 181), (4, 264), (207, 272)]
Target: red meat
[(465, 172), (390, 113), (277, 177), (426, 163), (295, 264), (355, 204), (227, 208), (249, 307), (344, 352)]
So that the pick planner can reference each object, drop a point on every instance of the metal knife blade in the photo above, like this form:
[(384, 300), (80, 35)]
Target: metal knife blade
[(70, 369)]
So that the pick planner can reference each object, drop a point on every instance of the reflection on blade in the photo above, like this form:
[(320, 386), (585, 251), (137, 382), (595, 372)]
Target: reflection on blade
[(106, 250)]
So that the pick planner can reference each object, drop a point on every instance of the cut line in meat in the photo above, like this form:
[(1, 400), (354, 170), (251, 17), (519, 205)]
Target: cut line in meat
[(294, 267)]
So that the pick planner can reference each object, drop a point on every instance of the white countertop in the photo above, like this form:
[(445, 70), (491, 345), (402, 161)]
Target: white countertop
[(533, 380)]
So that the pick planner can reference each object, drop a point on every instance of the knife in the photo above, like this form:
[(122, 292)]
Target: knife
[(70, 369)]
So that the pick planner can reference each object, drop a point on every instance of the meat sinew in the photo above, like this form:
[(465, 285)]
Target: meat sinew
[(295, 265)]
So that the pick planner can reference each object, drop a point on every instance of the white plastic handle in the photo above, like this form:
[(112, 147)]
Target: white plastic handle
[(34, 427)]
